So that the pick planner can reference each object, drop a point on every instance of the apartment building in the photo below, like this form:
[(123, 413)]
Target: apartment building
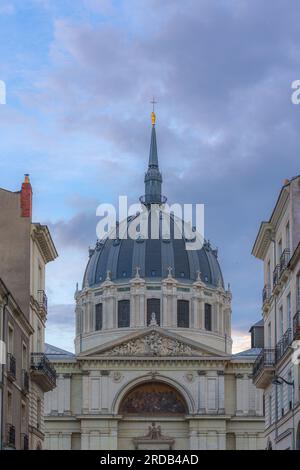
[(25, 249), (276, 369)]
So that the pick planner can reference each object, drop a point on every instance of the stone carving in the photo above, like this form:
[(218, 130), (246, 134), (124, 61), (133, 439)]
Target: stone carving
[(117, 376), (153, 321), (152, 344), (154, 436), (189, 377)]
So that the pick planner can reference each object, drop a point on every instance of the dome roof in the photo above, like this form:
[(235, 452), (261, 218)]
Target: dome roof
[(121, 257)]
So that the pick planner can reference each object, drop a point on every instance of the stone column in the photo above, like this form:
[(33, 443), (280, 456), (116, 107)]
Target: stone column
[(239, 394), (67, 394), (104, 390), (60, 393), (142, 312), (221, 385), (202, 392), (85, 392), (221, 441), (85, 439)]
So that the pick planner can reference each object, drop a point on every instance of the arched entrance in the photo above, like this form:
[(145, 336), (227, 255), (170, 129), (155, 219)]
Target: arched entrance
[(153, 418)]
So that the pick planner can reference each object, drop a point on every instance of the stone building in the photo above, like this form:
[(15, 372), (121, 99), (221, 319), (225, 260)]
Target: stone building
[(14, 415), (153, 367), (25, 248), (276, 369)]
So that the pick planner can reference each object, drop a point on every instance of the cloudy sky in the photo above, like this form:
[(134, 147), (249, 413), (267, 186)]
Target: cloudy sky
[(80, 75)]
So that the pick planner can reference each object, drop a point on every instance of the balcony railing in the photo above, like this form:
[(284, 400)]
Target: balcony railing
[(283, 345), (284, 260), (43, 301), (25, 441), (42, 371), (296, 325), (266, 358), (266, 293), (10, 435), (276, 275), (25, 381), (11, 366)]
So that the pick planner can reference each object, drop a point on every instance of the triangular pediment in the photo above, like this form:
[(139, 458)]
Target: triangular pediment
[(152, 342)]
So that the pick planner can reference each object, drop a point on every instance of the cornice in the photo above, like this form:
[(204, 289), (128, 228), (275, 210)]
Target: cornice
[(41, 235)]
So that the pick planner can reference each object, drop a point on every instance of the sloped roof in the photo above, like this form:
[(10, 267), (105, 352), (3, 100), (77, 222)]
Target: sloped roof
[(52, 352)]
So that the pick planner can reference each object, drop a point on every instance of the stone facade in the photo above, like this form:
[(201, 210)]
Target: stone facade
[(25, 249), (276, 370), (223, 408)]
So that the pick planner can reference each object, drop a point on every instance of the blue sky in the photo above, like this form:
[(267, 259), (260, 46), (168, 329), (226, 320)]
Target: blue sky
[(80, 75)]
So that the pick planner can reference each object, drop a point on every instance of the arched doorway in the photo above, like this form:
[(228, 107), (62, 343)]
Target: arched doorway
[(153, 417)]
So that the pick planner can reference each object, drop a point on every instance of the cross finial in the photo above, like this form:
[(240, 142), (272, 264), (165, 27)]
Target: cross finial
[(153, 102), (153, 117)]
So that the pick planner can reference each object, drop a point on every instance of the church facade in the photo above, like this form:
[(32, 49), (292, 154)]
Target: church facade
[(153, 366)]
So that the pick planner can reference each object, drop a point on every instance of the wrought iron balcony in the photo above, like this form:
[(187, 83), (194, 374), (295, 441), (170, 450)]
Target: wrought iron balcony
[(276, 275), (25, 441), (43, 301), (42, 371), (283, 345), (25, 381), (263, 367), (296, 325), (284, 260), (10, 435), (266, 293), (11, 366)]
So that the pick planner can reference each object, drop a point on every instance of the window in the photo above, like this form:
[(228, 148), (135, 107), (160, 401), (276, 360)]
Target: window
[(38, 413), (279, 249), (10, 343), (183, 314), (39, 339), (270, 409), (40, 278), (269, 338), (287, 236), (24, 357), (289, 310), (281, 404), (207, 317), (98, 317), (153, 306), (280, 322), (9, 407), (269, 274), (298, 292), (23, 417), (290, 390), (78, 320), (123, 313)]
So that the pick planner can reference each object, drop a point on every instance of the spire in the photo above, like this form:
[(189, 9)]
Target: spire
[(153, 178)]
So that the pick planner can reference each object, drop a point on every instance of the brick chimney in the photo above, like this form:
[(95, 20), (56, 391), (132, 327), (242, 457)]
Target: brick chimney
[(26, 198)]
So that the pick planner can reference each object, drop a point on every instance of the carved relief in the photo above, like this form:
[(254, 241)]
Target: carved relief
[(117, 376), (152, 344)]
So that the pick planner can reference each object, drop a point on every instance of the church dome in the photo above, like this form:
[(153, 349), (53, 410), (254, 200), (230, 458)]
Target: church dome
[(153, 257)]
